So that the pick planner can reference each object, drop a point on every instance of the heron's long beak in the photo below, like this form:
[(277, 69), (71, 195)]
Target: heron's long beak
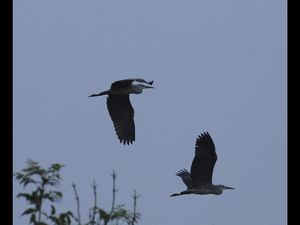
[(94, 95), (149, 86), (175, 194), (227, 187)]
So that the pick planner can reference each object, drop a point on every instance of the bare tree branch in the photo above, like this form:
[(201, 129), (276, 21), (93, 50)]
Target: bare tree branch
[(114, 175), (40, 201), (78, 203), (90, 216), (135, 197), (95, 202)]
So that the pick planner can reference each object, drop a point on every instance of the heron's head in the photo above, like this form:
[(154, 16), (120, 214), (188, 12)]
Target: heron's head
[(218, 189), (142, 86), (138, 88)]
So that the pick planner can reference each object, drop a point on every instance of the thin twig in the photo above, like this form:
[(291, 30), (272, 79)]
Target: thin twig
[(90, 216), (114, 175), (78, 203), (135, 197), (40, 202), (95, 202)]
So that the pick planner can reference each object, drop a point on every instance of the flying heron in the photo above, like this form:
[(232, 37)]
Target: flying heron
[(119, 106), (199, 181)]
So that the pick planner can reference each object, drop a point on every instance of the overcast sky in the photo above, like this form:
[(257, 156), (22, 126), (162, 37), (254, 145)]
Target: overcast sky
[(218, 66)]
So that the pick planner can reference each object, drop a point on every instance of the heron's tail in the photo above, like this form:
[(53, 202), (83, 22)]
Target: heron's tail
[(101, 93)]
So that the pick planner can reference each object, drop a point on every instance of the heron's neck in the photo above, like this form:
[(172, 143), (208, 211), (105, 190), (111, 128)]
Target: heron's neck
[(135, 89), (217, 189)]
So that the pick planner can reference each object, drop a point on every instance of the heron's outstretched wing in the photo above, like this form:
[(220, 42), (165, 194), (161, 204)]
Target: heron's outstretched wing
[(204, 160), (127, 82), (122, 113), (186, 177)]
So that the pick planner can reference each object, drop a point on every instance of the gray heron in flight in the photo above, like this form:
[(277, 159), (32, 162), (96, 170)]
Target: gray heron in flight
[(199, 180), (119, 106)]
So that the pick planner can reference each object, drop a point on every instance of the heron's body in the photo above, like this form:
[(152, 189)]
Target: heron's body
[(120, 108), (203, 190), (133, 89), (199, 180)]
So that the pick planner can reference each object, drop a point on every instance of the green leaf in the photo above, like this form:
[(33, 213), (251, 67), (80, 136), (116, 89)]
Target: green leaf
[(68, 220), (121, 215), (45, 214), (19, 175), (103, 215), (56, 194), (32, 219), (56, 166), (52, 210), (53, 196), (26, 181), (24, 195), (54, 219), (41, 223), (28, 211), (45, 180)]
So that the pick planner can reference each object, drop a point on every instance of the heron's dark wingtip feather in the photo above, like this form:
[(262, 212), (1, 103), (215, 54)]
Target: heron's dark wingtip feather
[(204, 138), (181, 171), (204, 135), (126, 141)]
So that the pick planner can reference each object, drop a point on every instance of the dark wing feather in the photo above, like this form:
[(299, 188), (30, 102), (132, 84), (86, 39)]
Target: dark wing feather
[(122, 113), (126, 83), (186, 177), (204, 160)]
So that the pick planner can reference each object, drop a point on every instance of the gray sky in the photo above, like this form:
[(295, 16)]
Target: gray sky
[(218, 66)]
